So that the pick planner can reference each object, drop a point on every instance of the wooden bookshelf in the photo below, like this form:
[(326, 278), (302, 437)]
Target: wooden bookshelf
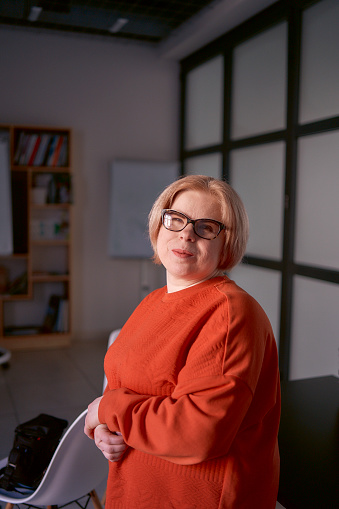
[(35, 294)]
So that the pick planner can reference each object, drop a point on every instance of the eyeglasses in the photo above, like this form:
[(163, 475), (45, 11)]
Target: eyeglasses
[(175, 221)]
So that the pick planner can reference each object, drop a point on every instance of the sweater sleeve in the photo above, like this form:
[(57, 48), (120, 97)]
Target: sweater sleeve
[(214, 391), (193, 428)]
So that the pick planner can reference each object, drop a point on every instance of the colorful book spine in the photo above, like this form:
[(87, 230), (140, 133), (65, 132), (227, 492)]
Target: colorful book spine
[(23, 150), (19, 147), (56, 153), (34, 151), (42, 150), (51, 150)]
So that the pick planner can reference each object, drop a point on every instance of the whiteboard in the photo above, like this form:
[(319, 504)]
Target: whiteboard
[(6, 226), (134, 187)]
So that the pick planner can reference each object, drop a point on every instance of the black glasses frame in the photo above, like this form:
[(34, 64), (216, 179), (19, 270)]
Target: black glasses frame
[(193, 222)]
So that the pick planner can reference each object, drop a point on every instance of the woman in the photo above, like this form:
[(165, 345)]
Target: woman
[(193, 381)]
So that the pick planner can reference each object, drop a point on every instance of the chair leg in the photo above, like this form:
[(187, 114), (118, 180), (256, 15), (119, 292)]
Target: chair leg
[(9, 505), (95, 500), (103, 500)]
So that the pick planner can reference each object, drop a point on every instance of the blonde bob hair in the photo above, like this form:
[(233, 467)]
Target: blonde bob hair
[(233, 214)]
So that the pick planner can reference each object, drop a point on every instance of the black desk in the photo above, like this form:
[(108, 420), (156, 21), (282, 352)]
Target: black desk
[(309, 444)]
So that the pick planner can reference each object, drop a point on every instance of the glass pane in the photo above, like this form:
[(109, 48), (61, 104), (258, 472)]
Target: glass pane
[(314, 339), (264, 286), (259, 83), (257, 174), (319, 79), (204, 104), (208, 164), (317, 214)]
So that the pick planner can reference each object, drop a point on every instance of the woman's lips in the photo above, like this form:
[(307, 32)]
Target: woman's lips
[(182, 253)]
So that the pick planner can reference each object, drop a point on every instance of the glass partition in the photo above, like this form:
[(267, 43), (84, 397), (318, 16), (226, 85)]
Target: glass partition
[(317, 212), (207, 164), (264, 286), (314, 336), (319, 78), (257, 174), (259, 83), (204, 104)]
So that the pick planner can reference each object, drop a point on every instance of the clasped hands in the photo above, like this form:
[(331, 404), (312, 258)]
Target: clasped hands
[(111, 445)]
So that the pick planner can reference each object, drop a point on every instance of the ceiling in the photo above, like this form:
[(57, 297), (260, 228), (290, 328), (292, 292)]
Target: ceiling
[(175, 27), (143, 20)]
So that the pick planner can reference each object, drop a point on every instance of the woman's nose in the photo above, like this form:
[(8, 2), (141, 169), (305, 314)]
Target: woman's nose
[(188, 232)]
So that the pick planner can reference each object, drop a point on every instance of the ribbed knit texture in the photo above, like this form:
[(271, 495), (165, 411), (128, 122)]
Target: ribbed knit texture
[(193, 386)]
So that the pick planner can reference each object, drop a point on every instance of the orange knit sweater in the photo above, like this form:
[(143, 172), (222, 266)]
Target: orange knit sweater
[(193, 386)]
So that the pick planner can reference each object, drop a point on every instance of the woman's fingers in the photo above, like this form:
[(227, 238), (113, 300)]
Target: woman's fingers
[(112, 445)]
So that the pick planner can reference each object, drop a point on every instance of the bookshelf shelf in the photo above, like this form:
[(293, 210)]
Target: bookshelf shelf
[(50, 242), (35, 299), (50, 278), (36, 341), (14, 256), (18, 297), (50, 206)]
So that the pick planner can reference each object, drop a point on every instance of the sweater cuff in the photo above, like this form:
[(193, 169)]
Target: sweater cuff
[(105, 413)]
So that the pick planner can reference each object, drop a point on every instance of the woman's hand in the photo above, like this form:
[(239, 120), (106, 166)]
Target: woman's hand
[(111, 445), (92, 418)]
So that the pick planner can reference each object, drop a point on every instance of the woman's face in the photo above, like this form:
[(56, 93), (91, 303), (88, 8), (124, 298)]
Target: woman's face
[(189, 259)]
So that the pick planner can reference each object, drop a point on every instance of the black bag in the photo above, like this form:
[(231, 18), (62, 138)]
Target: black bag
[(34, 444)]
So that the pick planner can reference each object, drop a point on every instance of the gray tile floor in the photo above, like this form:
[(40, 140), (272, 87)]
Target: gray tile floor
[(57, 382)]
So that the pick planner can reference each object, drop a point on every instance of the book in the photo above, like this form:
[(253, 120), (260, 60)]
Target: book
[(34, 151), (19, 286), (42, 149), (51, 314), (61, 324), (30, 147), (29, 330), (63, 156), (56, 152), (23, 150), (51, 150), (19, 147)]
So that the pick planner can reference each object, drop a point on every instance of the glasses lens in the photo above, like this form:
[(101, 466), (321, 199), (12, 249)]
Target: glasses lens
[(206, 229), (174, 221)]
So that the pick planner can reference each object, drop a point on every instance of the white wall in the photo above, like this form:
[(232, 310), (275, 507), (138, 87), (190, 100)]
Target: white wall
[(122, 101)]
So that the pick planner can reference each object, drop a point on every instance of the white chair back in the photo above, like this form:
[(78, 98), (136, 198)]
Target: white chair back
[(112, 337), (77, 468)]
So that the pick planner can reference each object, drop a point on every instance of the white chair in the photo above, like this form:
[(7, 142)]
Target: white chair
[(76, 469), (112, 337)]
